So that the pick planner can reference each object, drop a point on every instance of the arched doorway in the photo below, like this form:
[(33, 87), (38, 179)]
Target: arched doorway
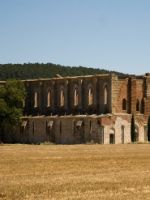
[(112, 136)]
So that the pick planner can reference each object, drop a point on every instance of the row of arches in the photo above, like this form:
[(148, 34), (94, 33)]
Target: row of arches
[(139, 105), (90, 97)]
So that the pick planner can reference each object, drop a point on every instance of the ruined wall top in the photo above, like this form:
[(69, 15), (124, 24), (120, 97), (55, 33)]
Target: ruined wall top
[(59, 77)]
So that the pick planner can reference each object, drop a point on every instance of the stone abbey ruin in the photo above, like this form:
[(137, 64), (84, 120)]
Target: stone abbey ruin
[(81, 109)]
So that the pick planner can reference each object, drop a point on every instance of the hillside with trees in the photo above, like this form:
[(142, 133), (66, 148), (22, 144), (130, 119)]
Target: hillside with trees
[(49, 70)]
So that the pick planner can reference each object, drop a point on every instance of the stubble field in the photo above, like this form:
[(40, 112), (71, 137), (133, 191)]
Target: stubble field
[(66, 172)]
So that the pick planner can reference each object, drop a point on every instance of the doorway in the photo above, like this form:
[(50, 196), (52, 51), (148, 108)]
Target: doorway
[(112, 138)]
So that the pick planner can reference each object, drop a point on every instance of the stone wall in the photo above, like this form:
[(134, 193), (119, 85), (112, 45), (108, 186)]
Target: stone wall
[(102, 129), (133, 90), (90, 91)]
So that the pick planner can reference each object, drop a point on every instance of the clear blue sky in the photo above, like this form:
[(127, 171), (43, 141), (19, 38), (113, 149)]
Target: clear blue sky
[(110, 34)]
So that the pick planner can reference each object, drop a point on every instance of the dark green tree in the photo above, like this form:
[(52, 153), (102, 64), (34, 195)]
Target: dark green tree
[(133, 132), (12, 95), (148, 128)]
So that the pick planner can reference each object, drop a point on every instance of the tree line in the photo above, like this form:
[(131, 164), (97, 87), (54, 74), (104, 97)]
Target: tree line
[(49, 70)]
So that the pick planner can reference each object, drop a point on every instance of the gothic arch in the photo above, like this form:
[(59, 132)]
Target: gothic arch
[(105, 95)]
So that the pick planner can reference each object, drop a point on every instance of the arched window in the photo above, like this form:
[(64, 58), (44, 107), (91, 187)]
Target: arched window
[(35, 100), (105, 95), (90, 96), (62, 98), (124, 104), (49, 98), (137, 105), (76, 97), (142, 106)]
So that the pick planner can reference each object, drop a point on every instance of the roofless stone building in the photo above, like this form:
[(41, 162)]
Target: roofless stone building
[(98, 108)]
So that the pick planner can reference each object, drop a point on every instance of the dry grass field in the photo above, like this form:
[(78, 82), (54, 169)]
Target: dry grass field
[(75, 172)]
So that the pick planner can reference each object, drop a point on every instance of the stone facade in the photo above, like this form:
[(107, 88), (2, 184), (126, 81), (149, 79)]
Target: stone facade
[(71, 110)]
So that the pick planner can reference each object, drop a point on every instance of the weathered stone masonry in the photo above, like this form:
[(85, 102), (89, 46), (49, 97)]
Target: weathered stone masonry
[(82, 109)]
